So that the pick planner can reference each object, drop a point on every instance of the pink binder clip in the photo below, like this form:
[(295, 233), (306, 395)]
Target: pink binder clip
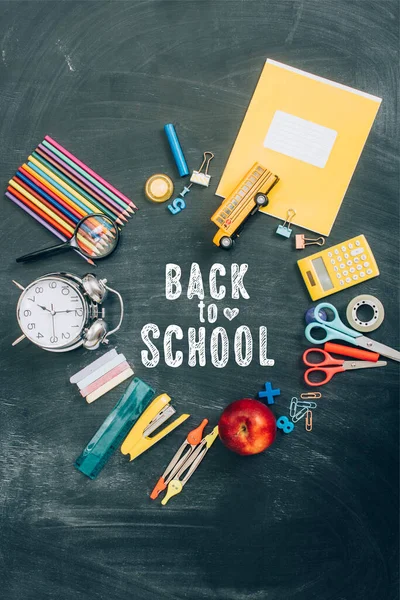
[(302, 241)]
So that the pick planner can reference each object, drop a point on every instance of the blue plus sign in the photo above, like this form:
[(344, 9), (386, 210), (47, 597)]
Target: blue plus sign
[(269, 393)]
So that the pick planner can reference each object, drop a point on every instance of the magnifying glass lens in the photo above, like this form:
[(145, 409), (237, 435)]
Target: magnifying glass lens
[(97, 236)]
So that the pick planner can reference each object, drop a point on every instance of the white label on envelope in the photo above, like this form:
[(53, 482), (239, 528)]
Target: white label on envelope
[(300, 139)]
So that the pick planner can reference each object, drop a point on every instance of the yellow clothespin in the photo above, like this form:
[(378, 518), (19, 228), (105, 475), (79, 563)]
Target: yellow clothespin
[(138, 439), (175, 486)]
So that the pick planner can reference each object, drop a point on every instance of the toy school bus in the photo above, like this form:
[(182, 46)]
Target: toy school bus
[(246, 199)]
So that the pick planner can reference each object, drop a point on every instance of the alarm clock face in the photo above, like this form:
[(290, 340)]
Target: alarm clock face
[(52, 312)]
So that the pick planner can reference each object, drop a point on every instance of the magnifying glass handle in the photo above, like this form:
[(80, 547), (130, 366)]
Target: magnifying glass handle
[(45, 251)]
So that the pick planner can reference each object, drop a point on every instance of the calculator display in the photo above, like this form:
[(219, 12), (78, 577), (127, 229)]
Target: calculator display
[(323, 275)]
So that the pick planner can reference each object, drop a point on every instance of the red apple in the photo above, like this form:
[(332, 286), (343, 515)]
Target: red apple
[(247, 426)]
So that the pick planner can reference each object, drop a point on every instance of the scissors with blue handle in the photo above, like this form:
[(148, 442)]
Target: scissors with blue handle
[(336, 330)]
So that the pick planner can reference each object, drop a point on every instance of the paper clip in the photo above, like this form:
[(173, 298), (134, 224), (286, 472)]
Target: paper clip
[(284, 229), (293, 407), (307, 395), (301, 404), (300, 415), (301, 241), (203, 178), (308, 422)]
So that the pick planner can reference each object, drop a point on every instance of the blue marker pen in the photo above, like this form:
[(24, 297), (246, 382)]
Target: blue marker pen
[(176, 150)]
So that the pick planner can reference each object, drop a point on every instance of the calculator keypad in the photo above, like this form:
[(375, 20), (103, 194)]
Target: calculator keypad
[(350, 263), (351, 256)]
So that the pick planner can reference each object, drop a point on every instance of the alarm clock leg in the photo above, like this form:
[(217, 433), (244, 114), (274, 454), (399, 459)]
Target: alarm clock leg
[(18, 340)]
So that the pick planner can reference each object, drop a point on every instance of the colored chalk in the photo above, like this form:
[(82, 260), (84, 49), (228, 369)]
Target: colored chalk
[(109, 385), (102, 370), (104, 379), (93, 366)]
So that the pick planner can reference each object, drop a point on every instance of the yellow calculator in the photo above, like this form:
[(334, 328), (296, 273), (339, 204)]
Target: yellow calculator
[(338, 268)]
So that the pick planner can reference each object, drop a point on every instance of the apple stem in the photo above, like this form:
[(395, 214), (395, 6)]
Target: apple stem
[(243, 429)]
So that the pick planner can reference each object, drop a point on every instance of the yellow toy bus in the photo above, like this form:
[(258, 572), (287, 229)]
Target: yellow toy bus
[(246, 199)]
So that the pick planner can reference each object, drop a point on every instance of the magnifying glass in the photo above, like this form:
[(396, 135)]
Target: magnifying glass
[(95, 236)]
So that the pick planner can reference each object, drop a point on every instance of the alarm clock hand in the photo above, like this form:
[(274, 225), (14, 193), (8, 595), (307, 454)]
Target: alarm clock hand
[(53, 321), (44, 308)]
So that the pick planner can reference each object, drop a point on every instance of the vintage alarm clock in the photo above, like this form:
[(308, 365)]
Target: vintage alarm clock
[(60, 312)]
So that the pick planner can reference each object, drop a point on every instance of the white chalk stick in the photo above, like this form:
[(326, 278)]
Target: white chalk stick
[(93, 366), (109, 385), (101, 371)]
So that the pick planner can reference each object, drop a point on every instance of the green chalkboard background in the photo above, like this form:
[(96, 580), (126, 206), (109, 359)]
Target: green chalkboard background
[(317, 515)]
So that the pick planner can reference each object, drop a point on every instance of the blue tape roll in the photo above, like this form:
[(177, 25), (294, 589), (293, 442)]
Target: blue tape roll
[(176, 150)]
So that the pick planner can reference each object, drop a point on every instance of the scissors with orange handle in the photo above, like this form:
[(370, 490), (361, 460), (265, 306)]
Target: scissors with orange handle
[(335, 329), (328, 366)]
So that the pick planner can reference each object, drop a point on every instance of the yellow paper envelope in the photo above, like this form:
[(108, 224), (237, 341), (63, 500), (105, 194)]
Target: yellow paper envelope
[(310, 132)]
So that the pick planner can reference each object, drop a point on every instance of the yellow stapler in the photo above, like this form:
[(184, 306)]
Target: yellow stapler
[(138, 439)]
